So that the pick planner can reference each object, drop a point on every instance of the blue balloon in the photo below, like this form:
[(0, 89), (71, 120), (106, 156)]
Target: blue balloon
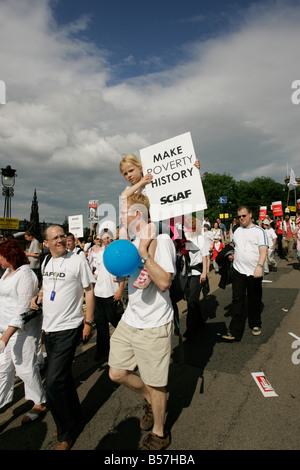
[(121, 258)]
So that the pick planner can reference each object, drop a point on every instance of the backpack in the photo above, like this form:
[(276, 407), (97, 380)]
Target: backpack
[(179, 281)]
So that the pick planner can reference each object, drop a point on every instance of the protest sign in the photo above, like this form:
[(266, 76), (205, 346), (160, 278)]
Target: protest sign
[(262, 212), (277, 208), (176, 188), (75, 223), (93, 211)]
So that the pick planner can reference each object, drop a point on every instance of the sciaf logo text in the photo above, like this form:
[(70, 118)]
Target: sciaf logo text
[(296, 354), (2, 92), (296, 94)]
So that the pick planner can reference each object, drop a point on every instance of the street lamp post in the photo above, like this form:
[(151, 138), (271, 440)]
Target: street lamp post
[(8, 176)]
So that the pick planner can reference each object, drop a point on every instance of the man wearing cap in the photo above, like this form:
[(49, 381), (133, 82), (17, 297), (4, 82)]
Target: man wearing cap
[(250, 251), (288, 228), (271, 237)]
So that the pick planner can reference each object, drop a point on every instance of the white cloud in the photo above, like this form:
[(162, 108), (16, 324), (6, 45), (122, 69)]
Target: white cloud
[(65, 129)]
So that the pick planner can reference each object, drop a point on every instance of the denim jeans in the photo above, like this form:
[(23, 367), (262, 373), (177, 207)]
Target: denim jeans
[(243, 285), (61, 391)]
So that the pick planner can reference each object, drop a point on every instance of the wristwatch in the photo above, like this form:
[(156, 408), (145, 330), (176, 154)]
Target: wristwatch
[(143, 260), (260, 265), (90, 323)]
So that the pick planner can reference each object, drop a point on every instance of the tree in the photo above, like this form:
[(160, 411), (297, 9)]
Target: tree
[(215, 186), (259, 192)]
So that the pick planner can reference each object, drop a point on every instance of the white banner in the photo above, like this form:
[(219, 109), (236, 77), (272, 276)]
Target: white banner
[(176, 187), (76, 225)]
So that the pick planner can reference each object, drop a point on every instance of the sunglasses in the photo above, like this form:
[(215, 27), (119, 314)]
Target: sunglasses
[(243, 215)]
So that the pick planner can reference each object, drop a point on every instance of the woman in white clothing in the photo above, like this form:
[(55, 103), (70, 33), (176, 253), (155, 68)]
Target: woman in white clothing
[(93, 252), (19, 341), (217, 231)]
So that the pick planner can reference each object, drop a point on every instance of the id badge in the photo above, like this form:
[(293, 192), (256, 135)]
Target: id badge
[(52, 295)]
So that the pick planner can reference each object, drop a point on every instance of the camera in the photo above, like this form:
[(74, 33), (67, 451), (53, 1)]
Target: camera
[(30, 314)]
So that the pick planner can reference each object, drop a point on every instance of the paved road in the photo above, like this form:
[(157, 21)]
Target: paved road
[(214, 402)]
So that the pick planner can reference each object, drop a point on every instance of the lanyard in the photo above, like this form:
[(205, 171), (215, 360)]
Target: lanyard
[(55, 276)]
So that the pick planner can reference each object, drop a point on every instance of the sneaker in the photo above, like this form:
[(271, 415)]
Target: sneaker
[(256, 331), (143, 280), (155, 442), (229, 337), (146, 422)]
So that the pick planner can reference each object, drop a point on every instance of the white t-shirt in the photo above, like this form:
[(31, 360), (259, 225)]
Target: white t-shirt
[(271, 235), (105, 285), (79, 252), (246, 253), (196, 257), (67, 276), (87, 246), (16, 292), (151, 307), (34, 248), (208, 238)]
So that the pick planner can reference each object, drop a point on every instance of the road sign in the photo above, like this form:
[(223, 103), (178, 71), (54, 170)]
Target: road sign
[(9, 224)]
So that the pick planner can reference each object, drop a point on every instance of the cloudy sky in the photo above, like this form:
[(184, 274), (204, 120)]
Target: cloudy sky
[(89, 81)]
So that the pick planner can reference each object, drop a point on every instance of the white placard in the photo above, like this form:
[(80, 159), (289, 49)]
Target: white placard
[(76, 225), (176, 187), (263, 384)]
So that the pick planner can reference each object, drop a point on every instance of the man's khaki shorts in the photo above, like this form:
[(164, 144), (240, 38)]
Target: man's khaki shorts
[(149, 349)]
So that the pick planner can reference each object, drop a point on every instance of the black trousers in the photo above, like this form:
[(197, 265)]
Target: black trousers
[(61, 391), (194, 319), (105, 313), (245, 287)]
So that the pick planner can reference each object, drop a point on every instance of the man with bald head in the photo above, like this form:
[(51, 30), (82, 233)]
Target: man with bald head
[(66, 278)]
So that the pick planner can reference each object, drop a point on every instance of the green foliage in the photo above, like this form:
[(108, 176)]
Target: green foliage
[(256, 193)]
